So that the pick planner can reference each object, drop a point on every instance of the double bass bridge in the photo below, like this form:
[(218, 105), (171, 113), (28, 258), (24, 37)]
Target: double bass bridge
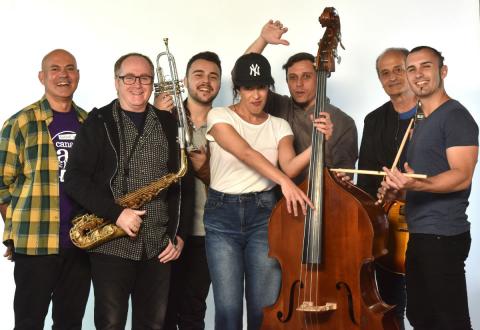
[(310, 307)]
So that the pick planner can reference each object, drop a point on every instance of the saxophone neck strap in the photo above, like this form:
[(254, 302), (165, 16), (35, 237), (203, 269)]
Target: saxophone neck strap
[(123, 138)]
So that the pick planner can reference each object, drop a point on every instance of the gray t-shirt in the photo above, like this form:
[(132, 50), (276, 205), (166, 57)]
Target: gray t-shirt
[(439, 213), (341, 150)]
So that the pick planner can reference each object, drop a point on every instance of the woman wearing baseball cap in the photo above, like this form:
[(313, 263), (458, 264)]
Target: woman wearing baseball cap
[(246, 144)]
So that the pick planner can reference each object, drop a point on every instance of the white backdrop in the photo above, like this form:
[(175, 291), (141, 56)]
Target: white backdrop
[(98, 32)]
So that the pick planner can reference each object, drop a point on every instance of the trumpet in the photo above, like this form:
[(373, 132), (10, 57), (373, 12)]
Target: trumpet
[(170, 84)]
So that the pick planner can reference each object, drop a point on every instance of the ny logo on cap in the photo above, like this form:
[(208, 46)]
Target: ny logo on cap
[(254, 70)]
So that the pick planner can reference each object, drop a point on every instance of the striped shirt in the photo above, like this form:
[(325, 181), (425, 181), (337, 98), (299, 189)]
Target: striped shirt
[(29, 181)]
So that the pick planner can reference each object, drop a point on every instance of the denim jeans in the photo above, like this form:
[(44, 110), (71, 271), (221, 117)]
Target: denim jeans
[(237, 253)]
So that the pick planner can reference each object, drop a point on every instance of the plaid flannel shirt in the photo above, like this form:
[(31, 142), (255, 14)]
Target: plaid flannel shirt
[(29, 181)]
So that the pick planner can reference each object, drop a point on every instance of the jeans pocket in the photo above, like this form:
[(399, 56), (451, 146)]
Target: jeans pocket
[(213, 204), (266, 200)]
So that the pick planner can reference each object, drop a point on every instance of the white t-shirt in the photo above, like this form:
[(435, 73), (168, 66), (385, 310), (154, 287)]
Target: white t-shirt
[(227, 173)]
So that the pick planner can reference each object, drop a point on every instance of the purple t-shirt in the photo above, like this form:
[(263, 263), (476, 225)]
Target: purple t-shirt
[(63, 130)]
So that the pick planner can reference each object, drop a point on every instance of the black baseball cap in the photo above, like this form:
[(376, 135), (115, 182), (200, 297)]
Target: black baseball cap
[(251, 70)]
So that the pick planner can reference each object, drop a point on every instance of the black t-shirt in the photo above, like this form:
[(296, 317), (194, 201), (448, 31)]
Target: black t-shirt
[(138, 118), (439, 213), (383, 131)]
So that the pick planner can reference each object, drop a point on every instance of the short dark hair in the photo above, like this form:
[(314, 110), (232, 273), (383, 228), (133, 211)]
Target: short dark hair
[(400, 50), (119, 62), (431, 49), (297, 58), (207, 56)]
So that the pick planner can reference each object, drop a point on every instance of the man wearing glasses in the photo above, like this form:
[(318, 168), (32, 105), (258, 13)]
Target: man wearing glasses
[(123, 147)]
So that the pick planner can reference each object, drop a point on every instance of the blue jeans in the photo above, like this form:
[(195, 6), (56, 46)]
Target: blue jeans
[(237, 251)]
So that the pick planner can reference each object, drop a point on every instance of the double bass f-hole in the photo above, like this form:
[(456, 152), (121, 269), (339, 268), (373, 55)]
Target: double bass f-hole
[(291, 304)]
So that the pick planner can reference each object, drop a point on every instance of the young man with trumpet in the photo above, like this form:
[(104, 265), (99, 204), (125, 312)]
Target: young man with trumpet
[(123, 147), (190, 280), (444, 146)]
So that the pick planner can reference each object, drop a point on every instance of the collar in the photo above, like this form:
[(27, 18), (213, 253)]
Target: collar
[(46, 112), (408, 114)]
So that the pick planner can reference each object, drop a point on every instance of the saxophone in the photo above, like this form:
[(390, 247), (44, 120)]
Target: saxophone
[(88, 230)]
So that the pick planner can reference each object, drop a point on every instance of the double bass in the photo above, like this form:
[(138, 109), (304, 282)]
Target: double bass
[(327, 256)]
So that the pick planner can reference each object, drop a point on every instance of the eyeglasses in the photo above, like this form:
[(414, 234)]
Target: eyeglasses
[(130, 79)]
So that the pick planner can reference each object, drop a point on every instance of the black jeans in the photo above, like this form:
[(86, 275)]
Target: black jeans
[(63, 279), (116, 279), (190, 283), (391, 287), (435, 279)]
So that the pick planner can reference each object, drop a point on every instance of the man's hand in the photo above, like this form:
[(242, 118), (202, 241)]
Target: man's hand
[(200, 164), (8, 253), (199, 158), (164, 101), (324, 124), (272, 33), (397, 180), (171, 252), (387, 194), (345, 177), (395, 185), (130, 221)]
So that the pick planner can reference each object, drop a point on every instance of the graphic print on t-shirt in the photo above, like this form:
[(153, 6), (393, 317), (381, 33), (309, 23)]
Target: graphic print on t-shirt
[(63, 142)]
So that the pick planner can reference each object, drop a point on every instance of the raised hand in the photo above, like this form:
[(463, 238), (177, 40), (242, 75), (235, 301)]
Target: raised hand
[(272, 33)]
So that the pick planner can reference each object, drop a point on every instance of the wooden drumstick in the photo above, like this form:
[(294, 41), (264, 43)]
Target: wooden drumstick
[(368, 172), (402, 145)]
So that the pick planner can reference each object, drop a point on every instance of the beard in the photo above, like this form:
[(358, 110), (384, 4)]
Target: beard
[(302, 105), (195, 95), (202, 101)]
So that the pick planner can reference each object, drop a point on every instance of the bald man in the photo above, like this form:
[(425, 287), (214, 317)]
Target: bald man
[(34, 148)]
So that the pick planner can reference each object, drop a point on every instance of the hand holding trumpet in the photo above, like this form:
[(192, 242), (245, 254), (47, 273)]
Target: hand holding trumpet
[(164, 101)]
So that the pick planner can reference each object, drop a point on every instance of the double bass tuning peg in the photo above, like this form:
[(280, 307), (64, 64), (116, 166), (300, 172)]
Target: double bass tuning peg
[(338, 57)]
